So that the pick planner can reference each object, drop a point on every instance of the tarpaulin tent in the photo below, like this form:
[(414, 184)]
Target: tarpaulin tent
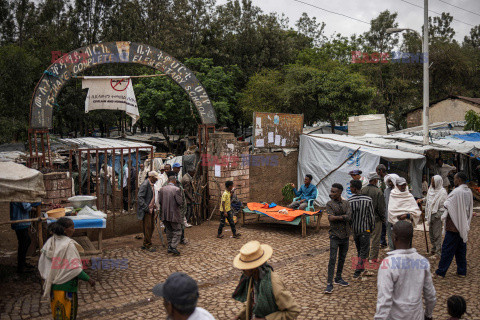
[(20, 184), (321, 154)]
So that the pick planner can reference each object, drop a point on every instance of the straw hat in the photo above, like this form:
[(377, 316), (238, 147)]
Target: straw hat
[(252, 255)]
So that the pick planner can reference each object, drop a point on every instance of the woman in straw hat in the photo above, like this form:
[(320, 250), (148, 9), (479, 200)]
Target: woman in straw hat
[(260, 287)]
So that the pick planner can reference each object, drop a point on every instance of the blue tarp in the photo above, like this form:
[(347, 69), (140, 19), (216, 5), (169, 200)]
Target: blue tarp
[(468, 137)]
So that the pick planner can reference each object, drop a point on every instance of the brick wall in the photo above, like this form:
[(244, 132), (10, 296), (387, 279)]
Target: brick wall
[(232, 156), (270, 173), (58, 187)]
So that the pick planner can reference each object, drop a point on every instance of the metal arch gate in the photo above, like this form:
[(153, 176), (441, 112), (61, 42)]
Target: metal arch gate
[(68, 66)]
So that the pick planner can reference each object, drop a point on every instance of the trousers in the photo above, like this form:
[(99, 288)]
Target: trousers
[(148, 228), (229, 217), (453, 246), (23, 243), (339, 246), (435, 232), (298, 205), (375, 240), (362, 242), (174, 233)]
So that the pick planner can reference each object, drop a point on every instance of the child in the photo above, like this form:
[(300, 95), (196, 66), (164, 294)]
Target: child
[(226, 211), (61, 267), (456, 306)]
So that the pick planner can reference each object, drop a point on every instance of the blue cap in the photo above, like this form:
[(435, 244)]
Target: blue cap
[(176, 165), (179, 289)]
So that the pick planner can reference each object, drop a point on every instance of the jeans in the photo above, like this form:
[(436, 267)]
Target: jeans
[(340, 245), (362, 242), (23, 244), (188, 214), (229, 217), (298, 205), (174, 233), (383, 242), (453, 245), (125, 198)]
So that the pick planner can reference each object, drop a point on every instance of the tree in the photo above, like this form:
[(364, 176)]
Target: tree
[(439, 28), (18, 74), (377, 39), (473, 121), (311, 29), (474, 38)]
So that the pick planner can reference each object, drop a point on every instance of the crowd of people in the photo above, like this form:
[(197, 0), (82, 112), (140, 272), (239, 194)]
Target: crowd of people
[(381, 212)]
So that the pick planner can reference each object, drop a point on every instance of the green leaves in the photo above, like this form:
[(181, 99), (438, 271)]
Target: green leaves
[(473, 121)]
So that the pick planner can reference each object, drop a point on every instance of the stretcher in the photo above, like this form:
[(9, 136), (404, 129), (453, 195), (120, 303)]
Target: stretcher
[(293, 217)]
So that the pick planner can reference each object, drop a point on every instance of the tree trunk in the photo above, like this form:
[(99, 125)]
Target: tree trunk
[(332, 124)]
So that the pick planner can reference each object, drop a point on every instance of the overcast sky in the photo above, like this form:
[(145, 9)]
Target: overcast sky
[(408, 15)]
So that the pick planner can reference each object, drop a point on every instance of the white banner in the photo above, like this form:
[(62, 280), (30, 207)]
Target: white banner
[(111, 93)]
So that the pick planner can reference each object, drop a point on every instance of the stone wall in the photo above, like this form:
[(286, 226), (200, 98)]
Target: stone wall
[(231, 157), (58, 187), (269, 173)]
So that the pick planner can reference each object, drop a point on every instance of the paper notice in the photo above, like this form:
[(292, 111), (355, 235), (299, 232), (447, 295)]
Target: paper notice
[(270, 137), (260, 143), (284, 142), (259, 122), (277, 139), (258, 132), (218, 171)]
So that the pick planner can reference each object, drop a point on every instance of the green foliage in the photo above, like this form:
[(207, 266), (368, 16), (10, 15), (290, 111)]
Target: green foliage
[(287, 193), (473, 121), (247, 59)]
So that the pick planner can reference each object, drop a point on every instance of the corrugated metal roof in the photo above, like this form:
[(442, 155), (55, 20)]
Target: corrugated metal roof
[(91, 143)]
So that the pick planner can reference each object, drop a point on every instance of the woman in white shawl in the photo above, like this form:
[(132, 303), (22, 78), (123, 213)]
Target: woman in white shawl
[(434, 209), (61, 267), (390, 180), (402, 204)]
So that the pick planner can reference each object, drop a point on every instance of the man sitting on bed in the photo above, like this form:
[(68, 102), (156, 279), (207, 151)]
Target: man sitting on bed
[(307, 192)]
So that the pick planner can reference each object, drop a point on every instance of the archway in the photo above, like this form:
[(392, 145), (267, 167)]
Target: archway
[(68, 66)]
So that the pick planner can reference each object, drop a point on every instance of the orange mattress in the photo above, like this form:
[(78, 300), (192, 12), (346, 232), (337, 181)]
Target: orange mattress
[(273, 212)]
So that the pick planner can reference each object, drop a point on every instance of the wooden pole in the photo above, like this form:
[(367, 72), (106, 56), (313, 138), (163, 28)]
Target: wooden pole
[(39, 219), (136, 180), (88, 172), (97, 180), (43, 149), (49, 150), (129, 178), (105, 182), (80, 172), (121, 177), (39, 228)]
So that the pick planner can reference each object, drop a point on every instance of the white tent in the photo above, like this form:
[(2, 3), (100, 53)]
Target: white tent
[(320, 154), (20, 184)]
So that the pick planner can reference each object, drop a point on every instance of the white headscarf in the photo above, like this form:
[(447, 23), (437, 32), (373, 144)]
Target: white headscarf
[(401, 203), (435, 198), (56, 251), (392, 177)]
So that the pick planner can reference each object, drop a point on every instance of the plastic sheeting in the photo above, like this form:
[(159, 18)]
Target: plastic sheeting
[(321, 154), (20, 184), (468, 137)]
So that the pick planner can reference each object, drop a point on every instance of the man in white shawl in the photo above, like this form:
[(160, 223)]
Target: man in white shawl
[(457, 217), (434, 209), (60, 266), (402, 204)]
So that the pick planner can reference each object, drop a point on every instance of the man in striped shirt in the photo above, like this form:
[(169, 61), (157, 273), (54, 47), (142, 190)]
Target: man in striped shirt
[(362, 224)]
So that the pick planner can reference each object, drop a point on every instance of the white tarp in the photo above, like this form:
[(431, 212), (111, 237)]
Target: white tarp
[(111, 93), (20, 184), (323, 153)]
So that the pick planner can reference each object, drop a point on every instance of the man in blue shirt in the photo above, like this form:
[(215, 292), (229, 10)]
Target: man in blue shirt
[(21, 211), (307, 191)]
